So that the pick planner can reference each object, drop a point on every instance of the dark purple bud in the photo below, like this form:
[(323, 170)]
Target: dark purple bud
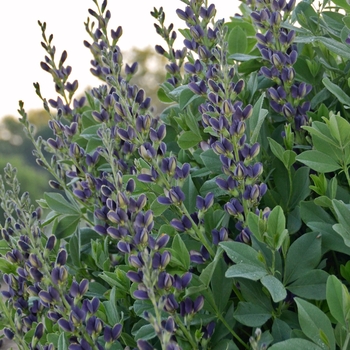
[(131, 69), (144, 345), (36, 274), (61, 258), (124, 247), (196, 257), (66, 325), (59, 275), (8, 333), (198, 304), (198, 89), (170, 303), (208, 330), (141, 294), (159, 49), (117, 33), (112, 334), (39, 331), (135, 261), (94, 326), (135, 276)]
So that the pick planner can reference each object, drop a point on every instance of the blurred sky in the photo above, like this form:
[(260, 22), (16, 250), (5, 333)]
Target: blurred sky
[(20, 37)]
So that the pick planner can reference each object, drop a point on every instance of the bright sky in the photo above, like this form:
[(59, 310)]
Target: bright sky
[(20, 37)]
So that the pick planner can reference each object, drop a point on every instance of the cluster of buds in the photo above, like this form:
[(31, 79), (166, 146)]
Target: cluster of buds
[(175, 57), (38, 283), (224, 117), (276, 45)]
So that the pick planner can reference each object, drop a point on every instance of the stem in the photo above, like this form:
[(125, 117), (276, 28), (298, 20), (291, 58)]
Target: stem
[(235, 335), (185, 332), (18, 337), (346, 172), (345, 345)]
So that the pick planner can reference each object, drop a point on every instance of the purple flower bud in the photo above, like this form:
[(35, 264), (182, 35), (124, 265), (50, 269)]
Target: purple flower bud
[(165, 280), (79, 289), (141, 294), (39, 331), (91, 306), (8, 333), (135, 276), (117, 33), (59, 275), (234, 207), (94, 325), (198, 304), (198, 89), (159, 49), (112, 334), (67, 326), (170, 303), (135, 261), (196, 257), (61, 258), (144, 345), (36, 274)]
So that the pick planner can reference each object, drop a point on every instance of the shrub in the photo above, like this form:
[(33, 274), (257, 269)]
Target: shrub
[(197, 228)]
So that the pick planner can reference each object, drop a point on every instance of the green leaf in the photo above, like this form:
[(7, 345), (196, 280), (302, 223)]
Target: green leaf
[(341, 334), (310, 212), (58, 203), (211, 186), (6, 266), (163, 97), (339, 128), (337, 91), (62, 342), (191, 194), (237, 41), (312, 320), (343, 214), (225, 344), (295, 343), (187, 97), (192, 122), (289, 158), (318, 161), (311, 285), (65, 226), (241, 57), (251, 272), (257, 119), (221, 286), (280, 330), (111, 309), (181, 252), (116, 279), (275, 288), (250, 314), (335, 46), (207, 273), (276, 225), (212, 161), (146, 332), (242, 253), (276, 149), (158, 208), (303, 255), (75, 249), (338, 300), (188, 139), (301, 189)]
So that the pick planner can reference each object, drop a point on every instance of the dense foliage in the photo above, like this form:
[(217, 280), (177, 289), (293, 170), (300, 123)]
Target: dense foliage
[(220, 223)]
